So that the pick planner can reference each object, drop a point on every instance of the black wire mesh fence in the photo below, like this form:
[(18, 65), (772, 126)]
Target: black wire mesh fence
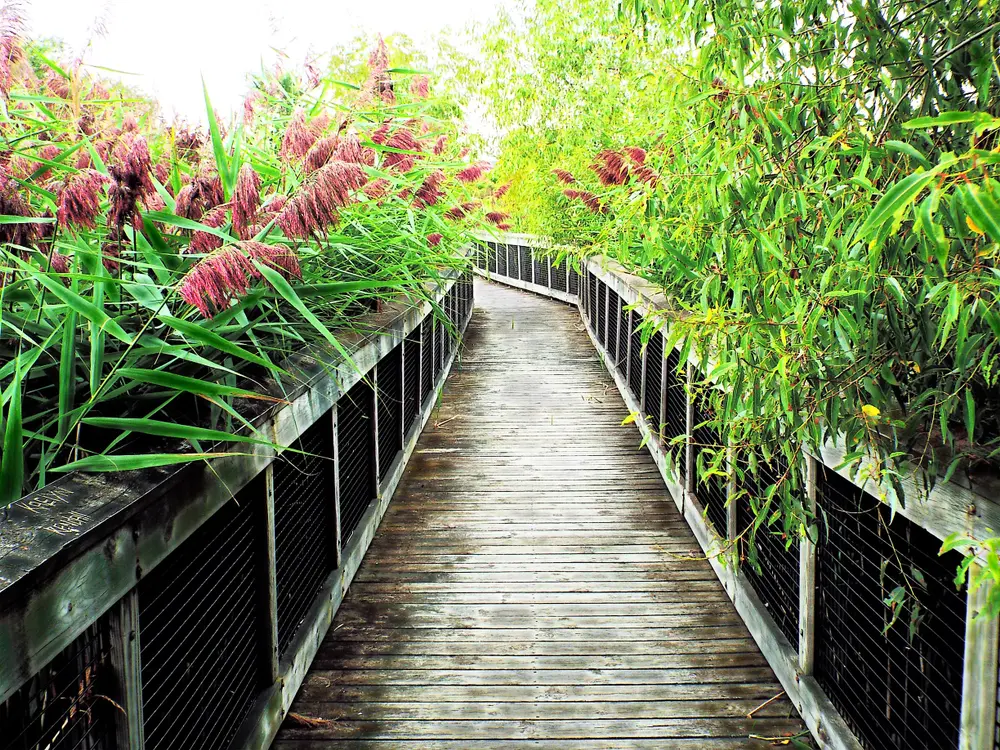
[(890, 634), (492, 257), (614, 321), (624, 335), (635, 358), (601, 316), (411, 379), (573, 281), (304, 525), (439, 344), (427, 358), (69, 704), (710, 462), (540, 270), (202, 622), (355, 455), (769, 556), (675, 422), (558, 275), (524, 263), (502, 260), (654, 373)]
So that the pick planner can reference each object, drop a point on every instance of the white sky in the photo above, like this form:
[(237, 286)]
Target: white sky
[(170, 46)]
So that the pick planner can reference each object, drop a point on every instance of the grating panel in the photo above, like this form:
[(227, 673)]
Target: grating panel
[(654, 372), (559, 275), (770, 563), (63, 706), (635, 358), (592, 300), (614, 320), (676, 411), (624, 322), (574, 281), (502, 260), (600, 316), (355, 455), (525, 263), (492, 257), (202, 623), (898, 685), (710, 489), (540, 270), (303, 525), (439, 354), (411, 379), (427, 360), (482, 253), (389, 381)]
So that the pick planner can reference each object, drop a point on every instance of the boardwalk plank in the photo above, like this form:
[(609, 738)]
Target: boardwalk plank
[(532, 585)]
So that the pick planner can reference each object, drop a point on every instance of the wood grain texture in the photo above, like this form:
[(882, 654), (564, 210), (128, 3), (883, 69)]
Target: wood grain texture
[(532, 584)]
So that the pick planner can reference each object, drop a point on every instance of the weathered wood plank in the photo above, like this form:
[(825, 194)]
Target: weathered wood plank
[(532, 584)]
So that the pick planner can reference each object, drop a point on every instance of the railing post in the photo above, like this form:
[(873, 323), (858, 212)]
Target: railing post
[(271, 573), (807, 575), (124, 653), (338, 539), (979, 677)]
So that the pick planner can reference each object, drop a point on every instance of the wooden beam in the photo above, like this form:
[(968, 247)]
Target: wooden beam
[(979, 677), (124, 653)]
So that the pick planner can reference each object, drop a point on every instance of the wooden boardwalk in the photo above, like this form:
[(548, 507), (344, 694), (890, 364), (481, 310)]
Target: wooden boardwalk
[(532, 585)]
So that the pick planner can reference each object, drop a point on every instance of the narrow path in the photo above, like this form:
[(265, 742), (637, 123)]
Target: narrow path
[(532, 585)]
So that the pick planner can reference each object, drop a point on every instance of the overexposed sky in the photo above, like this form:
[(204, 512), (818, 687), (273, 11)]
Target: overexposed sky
[(168, 47)]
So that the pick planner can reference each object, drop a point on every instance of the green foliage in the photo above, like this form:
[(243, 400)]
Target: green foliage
[(822, 214), (104, 364)]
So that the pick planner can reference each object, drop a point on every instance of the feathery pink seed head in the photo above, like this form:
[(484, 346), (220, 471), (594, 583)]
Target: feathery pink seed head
[(429, 192), (299, 136), (501, 191), (564, 177), (420, 87), (473, 172), (611, 168), (440, 144), (497, 217), (433, 240), (79, 201), (246, 201), (636, 154)]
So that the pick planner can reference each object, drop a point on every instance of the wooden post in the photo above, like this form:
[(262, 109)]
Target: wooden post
[(124, 652), (338, 539), (807, 576), (272, 581), (979, 678)]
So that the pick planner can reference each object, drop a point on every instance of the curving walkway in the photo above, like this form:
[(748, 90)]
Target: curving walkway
[(532, 585)]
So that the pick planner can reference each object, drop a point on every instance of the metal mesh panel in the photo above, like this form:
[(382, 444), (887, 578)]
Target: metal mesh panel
[(624, 323), (711, 490), (389, 380), (482, 253), (654, 371), (897, 684), (439, 355), (502, 260), (201, 626), (614, 320), (411, 379), (770, 565), (559, 276), (63, 707), (592, 300), (492, 257), (601, 314), (635, 358), (676, 411), (355, 455), (427, 360), (540, 270), (574, 281), (525, 263), (303, 524)]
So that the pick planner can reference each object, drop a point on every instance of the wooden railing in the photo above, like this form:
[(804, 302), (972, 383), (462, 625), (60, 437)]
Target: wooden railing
[(817, 606), (182, 608)]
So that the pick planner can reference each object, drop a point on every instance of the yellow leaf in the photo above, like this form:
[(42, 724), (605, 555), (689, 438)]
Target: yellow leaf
[(973, 226), (916, 368), (630, 418), (870, 411)]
